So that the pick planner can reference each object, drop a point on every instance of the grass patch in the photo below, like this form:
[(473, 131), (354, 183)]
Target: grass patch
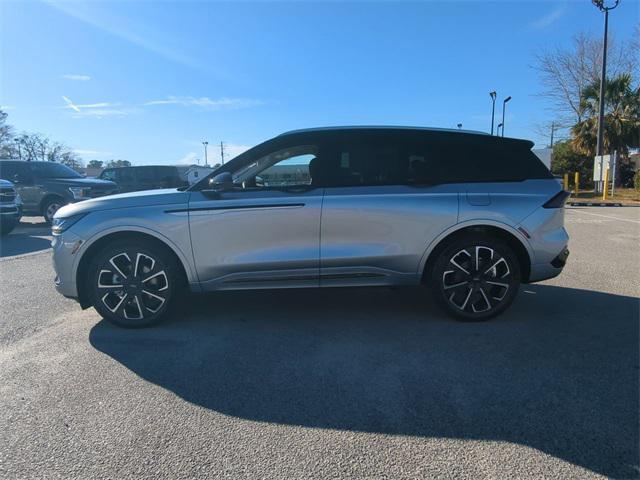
[(627, 195)]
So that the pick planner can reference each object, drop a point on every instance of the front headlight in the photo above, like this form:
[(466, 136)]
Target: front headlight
[(59, 225), (79, 192)]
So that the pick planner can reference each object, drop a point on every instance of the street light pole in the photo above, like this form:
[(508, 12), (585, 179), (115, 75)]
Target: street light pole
[(603, 75), (205, 143), (504, 107), (498, 130), (493, 96)]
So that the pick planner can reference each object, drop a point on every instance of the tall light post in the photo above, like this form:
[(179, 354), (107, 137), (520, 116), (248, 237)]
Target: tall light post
[(205, 143), (504, 107), (493, 96), (603, 75)]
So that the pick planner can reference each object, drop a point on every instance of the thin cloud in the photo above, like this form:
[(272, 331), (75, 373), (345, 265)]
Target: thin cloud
[(548, 19), (207, 103), (188, 159), (95, 153), (96, 110), (102, 112), (70, 104), (94, 14), (76, 78)]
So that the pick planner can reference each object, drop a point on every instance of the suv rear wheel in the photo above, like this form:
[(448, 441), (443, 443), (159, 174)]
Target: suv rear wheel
[(475, 278), (132, 283)]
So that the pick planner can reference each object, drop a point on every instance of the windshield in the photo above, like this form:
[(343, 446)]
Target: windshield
[(53, 170)]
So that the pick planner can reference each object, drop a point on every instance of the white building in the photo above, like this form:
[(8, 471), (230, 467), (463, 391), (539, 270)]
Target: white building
[(194, 173)]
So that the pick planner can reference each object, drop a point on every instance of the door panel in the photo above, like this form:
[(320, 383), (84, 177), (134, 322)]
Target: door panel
[(263, 238), (378, 234)]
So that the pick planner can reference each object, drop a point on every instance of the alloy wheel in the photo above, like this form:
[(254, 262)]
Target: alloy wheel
[(132, 285), (477, 279)]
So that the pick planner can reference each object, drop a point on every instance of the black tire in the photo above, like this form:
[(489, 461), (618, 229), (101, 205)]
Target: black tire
[(50, 207), (475, 278), (149, 277), (7, 226)]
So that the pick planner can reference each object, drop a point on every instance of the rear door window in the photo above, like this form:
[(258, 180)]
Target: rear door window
[(165, 174), (126, 175), (146, 174), (368, 159)]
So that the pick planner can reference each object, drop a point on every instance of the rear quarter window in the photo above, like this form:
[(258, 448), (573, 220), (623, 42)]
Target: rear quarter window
[(473, 159)]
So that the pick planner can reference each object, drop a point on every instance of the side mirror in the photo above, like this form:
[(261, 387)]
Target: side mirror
[(222, 182)]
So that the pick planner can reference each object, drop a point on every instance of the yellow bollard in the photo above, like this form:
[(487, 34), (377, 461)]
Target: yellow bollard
[(566, 181), (606, 184), (576, 180)]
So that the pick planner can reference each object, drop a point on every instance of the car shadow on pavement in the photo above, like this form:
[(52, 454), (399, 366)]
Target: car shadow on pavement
[(26, 238), (558, 372)]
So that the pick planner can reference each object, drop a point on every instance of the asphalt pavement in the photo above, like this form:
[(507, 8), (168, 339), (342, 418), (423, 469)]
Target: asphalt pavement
[(359, 383)]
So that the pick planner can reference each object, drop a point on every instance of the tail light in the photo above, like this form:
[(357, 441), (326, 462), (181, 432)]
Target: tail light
[(558, 200)]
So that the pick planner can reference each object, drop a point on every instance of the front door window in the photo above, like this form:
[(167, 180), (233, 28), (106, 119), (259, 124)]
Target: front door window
[(289, 167)]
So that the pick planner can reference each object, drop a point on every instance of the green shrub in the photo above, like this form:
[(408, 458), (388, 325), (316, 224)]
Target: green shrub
[(566, 160)]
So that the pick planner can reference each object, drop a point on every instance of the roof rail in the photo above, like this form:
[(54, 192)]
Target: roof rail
[(381, 127)]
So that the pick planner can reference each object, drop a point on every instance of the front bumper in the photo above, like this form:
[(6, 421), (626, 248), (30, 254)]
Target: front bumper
[(11, 213), (65, 248)]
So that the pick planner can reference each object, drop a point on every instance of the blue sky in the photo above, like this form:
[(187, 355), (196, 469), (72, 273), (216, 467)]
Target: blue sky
[(148, 81)]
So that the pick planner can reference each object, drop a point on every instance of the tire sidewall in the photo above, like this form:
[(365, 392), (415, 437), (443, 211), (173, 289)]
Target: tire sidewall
[(442, 261)]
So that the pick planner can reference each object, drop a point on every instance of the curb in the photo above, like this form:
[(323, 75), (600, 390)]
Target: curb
[(595, 204)]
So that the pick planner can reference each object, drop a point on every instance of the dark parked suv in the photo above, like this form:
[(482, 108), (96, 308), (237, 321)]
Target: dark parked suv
[(148, 177), (47, 186)]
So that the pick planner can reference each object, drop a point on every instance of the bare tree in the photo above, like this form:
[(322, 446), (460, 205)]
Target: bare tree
[(70, 159), (6, 137), (37, 147), (30, 146), (566, 72)]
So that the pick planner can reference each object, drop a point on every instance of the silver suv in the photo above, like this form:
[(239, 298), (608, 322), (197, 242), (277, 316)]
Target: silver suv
[(469, 215)]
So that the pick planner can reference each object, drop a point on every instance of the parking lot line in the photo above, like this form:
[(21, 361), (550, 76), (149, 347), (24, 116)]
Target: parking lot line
[(605, 216)]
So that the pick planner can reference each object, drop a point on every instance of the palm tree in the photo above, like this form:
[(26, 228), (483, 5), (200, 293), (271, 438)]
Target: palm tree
[(622, 117)]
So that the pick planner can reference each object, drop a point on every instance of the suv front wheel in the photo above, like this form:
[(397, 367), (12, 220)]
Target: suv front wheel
[(132, 284), (475, 278), (50, 207)]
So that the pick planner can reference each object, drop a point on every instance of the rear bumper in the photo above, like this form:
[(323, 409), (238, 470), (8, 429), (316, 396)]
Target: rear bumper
[(545, 271)]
